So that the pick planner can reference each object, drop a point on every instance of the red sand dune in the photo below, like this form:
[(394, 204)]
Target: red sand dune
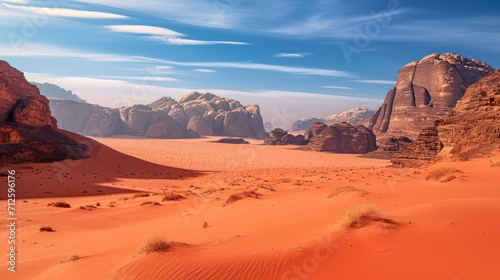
[(291, 231)]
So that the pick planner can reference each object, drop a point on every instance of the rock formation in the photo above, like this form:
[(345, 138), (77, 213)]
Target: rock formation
[(426, 90), (232, 141), (28, 133), (340, 138), (279, 136), (192, 115), (352, 116), (54, 91), (421, 151), (304, 124), (473, 127)]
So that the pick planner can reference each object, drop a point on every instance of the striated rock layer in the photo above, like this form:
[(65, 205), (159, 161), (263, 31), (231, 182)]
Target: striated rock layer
[(473, 127), (423, 150), (340, 138), (28, 133), (192, 115), (426, 90)]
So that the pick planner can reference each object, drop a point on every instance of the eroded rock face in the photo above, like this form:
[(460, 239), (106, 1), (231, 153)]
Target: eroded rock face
[(423, 150), (304, 124), (426, 90), (473, 127), (279, 136), (192, 115), (28, 133), (341, 138), (352, 116)]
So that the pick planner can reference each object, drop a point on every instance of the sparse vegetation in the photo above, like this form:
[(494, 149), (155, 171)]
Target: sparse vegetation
[(362, 215), (150, 203), (346, 189), (137, 195), (442, 174), (172, 197), (49, 229), (158, 244), (238, 196), (495, 163), (72, 258), (59, 204)]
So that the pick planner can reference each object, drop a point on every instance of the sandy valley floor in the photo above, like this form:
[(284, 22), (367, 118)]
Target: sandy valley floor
[(283, 219)]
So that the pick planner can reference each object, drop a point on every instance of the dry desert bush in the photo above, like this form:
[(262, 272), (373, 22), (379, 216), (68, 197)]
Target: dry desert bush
[(362, 215), (238, 196), (346, 189), (150, 203), (442, 174), (158, 244), (59, 204), (137, 195), (72, 258), (495, 163), (172, 197), (49, 229)]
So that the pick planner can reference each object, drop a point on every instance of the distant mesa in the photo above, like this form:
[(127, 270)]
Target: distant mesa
[(28, 133), (426, 90), (338, 138), (354, 116), (193, 115), (54, 91)]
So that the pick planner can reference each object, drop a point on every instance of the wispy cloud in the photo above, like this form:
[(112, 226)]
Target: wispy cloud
[(56, 52), (205, 70), (139, 78), (336, 87), (291, 55), (379, 82), (62, 12), (166, 36)]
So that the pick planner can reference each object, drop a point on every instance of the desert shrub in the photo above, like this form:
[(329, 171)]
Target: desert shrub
[(49, 229), (59, 204), (442, 174), (238, 196), (172, 197), (362, 215), (137, 195), (495, 163), (158, 244), (346, 189), (72, 258), (149, 203)]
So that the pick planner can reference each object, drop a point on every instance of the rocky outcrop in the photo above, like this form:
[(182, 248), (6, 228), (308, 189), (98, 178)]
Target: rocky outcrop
[(423, 150), (353, 116), (304, 124), (394, 144), (473, 127), (279, 136), (192, 115), (54, 91), (28, 133), (232, 141), (341, 138), (426, 90)]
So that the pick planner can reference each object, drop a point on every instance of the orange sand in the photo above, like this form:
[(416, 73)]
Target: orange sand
[(445, 230)]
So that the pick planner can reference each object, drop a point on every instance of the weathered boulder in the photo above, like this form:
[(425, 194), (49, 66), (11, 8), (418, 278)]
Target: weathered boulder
[(135, 119), (274, 137), (423, 150), (426, 90), (342, 138), (200, 125), (313, 131), (103, 124)]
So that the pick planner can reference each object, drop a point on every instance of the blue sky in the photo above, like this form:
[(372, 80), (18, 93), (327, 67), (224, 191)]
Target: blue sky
[(295, 58)]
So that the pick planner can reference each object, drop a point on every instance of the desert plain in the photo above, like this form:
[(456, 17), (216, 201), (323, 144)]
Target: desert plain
[(226, 211)]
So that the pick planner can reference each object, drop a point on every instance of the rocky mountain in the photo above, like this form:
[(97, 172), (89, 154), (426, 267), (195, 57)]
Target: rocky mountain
[(426, 90), (353, 116), (473, 127), (28, 133), (192, 115), (304, 124), (54, 91)]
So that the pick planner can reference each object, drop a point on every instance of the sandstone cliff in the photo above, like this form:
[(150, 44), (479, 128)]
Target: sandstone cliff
[(28, 133), (193, 114), (426, 90)]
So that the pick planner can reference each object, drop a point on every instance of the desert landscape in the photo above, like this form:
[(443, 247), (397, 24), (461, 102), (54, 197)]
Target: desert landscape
[(249, 140)]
